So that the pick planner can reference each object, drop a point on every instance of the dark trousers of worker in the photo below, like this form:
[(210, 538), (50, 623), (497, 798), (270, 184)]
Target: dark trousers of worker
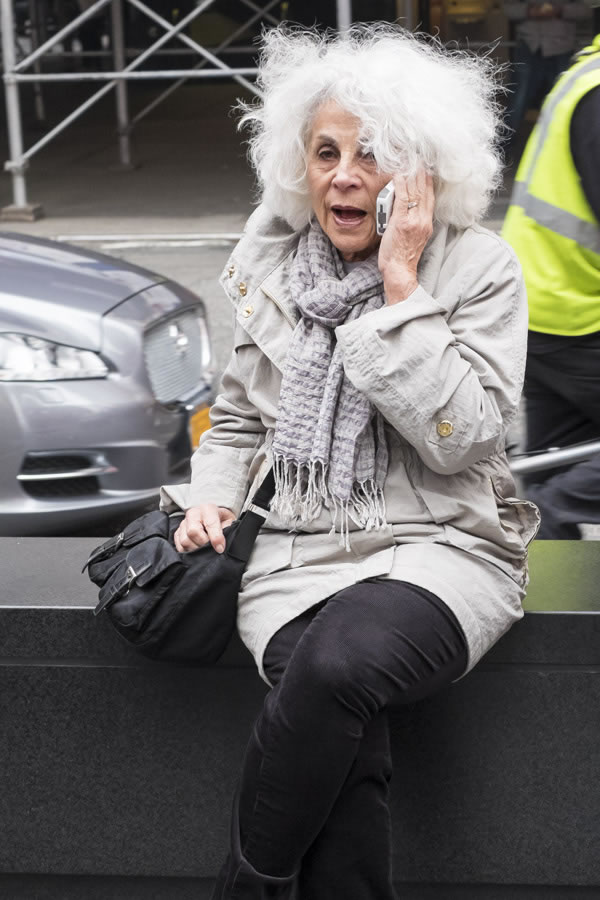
[(562, 391), (311, 818)]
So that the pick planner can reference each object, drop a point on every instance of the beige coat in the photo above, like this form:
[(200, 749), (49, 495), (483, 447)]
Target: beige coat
[(445, 367)]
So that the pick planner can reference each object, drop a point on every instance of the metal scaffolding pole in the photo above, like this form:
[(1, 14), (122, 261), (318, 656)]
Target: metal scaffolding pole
[(174, 31), (34, 19), (16, 165), (344, 14), (123, 75), (260, 13), (119, 59)]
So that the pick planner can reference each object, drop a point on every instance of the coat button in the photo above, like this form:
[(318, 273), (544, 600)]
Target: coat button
[(242, 288), (248, 310), (444, 429), (230, 271)]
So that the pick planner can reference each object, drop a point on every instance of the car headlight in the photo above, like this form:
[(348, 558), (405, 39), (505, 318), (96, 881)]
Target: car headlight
[(26, 358)]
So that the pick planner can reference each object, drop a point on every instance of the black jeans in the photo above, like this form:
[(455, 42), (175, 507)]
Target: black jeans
[(562, 389), (312, 814)]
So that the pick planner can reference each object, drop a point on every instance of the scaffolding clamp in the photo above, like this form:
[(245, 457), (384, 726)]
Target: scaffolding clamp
[(16, 166)]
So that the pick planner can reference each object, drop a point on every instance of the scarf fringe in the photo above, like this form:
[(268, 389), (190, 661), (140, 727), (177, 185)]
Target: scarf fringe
[(301, 489)]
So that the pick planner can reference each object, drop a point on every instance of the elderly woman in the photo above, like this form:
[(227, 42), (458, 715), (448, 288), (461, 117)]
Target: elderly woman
[(377, 377)]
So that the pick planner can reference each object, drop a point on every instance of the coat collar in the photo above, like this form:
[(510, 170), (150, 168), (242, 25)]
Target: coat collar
[(266, 242)]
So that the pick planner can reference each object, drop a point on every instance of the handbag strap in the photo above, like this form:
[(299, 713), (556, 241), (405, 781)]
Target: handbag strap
[(262, 498)]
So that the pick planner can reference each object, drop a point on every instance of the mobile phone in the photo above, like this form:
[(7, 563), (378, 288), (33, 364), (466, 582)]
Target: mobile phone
[(385, 202)]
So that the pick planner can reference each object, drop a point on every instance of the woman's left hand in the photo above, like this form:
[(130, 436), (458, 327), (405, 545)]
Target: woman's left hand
[(407, 233)]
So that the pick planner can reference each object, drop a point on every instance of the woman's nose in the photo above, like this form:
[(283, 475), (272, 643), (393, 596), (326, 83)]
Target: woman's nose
[(346, 175)]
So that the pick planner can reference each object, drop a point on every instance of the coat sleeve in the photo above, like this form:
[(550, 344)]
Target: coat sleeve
[(447, 373), (221, 464)]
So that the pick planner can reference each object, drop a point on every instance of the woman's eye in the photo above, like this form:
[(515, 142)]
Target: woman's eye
[(326, 153), (367, 155)]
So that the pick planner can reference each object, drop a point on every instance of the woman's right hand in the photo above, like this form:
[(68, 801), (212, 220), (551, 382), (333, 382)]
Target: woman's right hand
[(203, 524), (405, 238)]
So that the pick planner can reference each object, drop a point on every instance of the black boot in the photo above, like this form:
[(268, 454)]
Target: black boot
[(238, 880)]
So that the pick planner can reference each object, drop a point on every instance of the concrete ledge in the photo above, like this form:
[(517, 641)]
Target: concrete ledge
[(53, 887), (118, 772)]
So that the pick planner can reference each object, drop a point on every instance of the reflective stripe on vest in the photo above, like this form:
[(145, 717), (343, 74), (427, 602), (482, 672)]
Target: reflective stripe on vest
[(555, 219), (565, 224)]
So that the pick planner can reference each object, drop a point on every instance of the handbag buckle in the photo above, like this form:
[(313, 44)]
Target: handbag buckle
[(105, 550), (132, 575), (121, 588)]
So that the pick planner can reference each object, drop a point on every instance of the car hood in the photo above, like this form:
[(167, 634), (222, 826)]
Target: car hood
[(60, 292)]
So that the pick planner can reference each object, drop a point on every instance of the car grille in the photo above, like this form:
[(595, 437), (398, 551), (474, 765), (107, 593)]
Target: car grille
[(48, 464), (177, 352), (48, 474), (73, 487)]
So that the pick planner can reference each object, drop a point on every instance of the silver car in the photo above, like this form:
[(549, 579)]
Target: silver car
[(105, 384)]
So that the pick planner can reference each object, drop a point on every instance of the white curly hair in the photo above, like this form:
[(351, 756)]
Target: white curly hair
[(419, 104)]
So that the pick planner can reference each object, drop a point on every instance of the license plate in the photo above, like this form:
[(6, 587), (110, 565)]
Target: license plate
[(199, 423)]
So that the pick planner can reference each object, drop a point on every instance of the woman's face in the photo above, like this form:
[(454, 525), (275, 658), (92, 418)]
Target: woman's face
[(343, 182)]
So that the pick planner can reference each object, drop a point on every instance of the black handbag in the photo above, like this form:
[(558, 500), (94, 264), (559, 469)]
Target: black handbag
[(171, 605)]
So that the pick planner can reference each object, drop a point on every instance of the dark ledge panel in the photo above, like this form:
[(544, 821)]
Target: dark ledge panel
[(117, 772)]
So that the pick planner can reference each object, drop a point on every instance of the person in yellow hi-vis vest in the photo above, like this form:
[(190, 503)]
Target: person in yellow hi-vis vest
[(553, 223)]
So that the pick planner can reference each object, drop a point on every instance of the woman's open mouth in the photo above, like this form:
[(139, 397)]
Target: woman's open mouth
[(348, 216)]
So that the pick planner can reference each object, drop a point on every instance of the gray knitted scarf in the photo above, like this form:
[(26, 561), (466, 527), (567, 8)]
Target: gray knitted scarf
[(329, 444)]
